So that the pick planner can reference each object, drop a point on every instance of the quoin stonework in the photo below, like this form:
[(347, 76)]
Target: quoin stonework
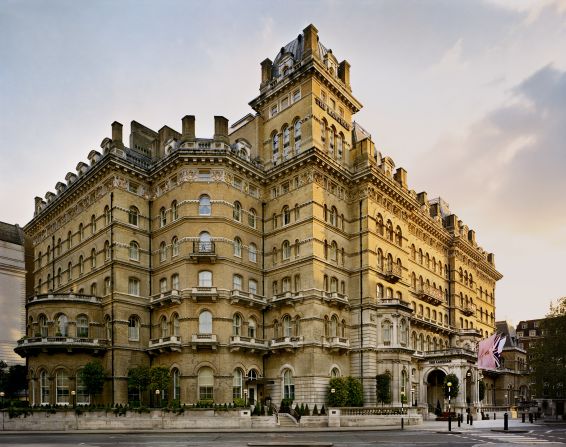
[(261, 262)]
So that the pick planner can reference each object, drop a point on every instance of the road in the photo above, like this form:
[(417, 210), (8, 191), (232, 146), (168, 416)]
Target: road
[(430, 436)]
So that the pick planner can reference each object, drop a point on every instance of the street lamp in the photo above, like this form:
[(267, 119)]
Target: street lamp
[(2, 396), (413, 398), (73, 398), (157, 392), (449, 385), (245, 398), (402, 409)]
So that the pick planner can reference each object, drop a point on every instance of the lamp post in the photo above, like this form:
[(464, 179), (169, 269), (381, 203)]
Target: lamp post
[(468, 391), (449, 385), (245, 398), (73, 398), (158, 403), (413, 398), (2, 396)]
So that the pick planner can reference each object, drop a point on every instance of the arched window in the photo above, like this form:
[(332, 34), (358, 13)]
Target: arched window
[(69, 271), (204, 208), (93, 224), (285, 250), (176, 379), (205, 278), (162, 217), (389, 230), (93, 259), (205, 243), (286, 142), (379, 259), (335, 372), (403, 387), (288, 385), (237, 382), (205, 383), (334, 326), (58, 246), (59, 277), (175, 246), (175, 323), (323, 133), (331, 139), (252, 325), (237, 325), (339, 146), (81, 236), (403, 332), (237, 282), (286, 284), (297, 248), (413, 252), (133, 328), (379, 224), (175, 281), (252, 218), (205, 322), (275, 147), (174, 210), (238, 247), (334, 216), (164, 327), (82, 396), (237, 211), (134, 251), (334, 284), (252, 252), (386, 332), (380, 290), (82, 326), (62, 326), (399, 236), (44, 388), (414, 341), (162, 252), (93, 289), (62, 387), (69, 241), (107, 251), (297, 136), (133, 216), (43, 328), (287, 326), (421, 343), (334, 251), (286, 214), (107, 215)]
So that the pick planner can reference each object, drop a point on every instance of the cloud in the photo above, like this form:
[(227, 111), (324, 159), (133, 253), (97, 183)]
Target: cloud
[(450, 61), (511, 162)]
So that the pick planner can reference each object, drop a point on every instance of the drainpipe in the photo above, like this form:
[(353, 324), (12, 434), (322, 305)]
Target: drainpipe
[(263, 281), (112, 287), (150, 202), (361, 297)]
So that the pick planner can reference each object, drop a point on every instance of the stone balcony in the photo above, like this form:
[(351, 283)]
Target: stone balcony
[(247, 298), (238, 342), (286, 343), (430, 323), (393, 273), (468, 309), (28, 345), (430, 295), (73, 297), (204, 293), (285, 298), (203, 252), (337, 343), (165, 344), (204, 341), (336, 298), (165, 298)]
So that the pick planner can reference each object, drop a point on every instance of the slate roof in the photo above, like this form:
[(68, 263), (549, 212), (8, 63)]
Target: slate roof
[(296, 46)]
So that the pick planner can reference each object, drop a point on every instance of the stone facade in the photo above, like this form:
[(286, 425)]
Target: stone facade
[(282, 251)]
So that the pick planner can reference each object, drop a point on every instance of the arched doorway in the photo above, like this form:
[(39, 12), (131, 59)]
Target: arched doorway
[(434, 390)]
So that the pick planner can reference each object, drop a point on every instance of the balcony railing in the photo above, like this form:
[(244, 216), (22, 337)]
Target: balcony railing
[(468, 309), (164, 344), (336, 298), (238, 342), (169, 297), (251, 299), (202, 293), (64, 297), (337, 343), (203, 252), (286, 343), (60, 343), (393, 272), (430, 294), (204, 341), (427, 321), (394, 302)]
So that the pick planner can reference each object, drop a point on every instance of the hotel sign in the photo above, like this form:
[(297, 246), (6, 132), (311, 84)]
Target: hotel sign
[(332, 113)]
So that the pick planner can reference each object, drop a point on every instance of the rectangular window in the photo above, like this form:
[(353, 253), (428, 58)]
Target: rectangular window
[(134, 286), (273, 193), (252, 286), (204, 175), (273, 110), (332, 104), (284, 102), (237, 183), (253, 191), (133, 187), (323, 96), (285, 188), (296, 95), (341, 111)]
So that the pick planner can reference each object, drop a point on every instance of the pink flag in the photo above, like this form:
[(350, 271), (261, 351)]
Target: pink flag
[(489, 351)]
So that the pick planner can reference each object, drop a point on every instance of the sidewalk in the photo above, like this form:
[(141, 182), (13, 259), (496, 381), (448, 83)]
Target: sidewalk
[(478, 425)]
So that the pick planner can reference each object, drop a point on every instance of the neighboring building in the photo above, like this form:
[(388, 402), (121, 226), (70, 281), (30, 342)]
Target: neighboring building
[(12, 290), (508, 385), (259, 262), (528, 332)]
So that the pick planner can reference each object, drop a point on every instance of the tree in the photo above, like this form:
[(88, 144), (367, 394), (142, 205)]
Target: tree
[(93, 377), (549, 359), (454, 388), (339, 397), (139, 380), (159, 378), (13, 379), (355, 392), (383, 388)]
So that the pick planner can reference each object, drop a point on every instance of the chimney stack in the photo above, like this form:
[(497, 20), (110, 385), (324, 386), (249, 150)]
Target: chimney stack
[(472, 236), (422, 198), (188, 128), (117, 134), (266, 71), (491, 258), (310, 47), (401, 177), (221, 129), (344, 72)]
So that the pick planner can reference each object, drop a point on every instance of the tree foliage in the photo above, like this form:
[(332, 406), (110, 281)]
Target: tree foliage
[(548, 360), (93, 377), (454, 389), (139, 380), (383, 388), (13, 379), (348, 392)]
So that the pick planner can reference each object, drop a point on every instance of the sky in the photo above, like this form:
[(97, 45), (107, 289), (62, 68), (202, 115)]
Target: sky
[(468, 96)]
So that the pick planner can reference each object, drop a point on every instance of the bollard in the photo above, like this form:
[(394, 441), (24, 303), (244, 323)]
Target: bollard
[(523, 417), (505, 422), (471, 420), (402, 423), (531, 418), (494, 416), (459, 419), (449, 422)]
